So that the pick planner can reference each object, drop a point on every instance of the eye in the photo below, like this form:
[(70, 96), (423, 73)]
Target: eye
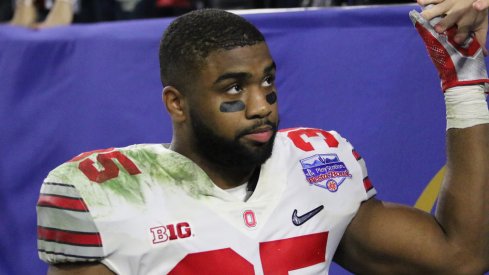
[(235, 89), (268, 81)]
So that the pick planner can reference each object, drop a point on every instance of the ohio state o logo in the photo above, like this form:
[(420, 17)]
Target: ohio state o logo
[(249, 218)]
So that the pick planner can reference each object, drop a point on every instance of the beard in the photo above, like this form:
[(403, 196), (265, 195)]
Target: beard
[(231, 153)]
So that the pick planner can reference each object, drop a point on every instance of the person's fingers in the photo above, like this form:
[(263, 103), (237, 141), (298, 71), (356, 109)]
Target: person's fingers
[(24, 15), (38, 26), (462, 34), (481, 5), (434, 11), (481, 36), (428, 2), (46, 24), (446, 22)]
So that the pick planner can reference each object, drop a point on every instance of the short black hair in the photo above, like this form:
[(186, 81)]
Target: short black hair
[(190, 38)]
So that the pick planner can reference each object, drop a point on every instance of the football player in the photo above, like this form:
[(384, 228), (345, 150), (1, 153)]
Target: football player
[(233, 195)]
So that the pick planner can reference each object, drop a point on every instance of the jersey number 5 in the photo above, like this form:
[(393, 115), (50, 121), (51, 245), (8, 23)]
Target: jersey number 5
[(109, 170)]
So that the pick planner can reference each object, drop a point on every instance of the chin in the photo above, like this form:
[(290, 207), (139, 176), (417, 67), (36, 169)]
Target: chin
[(260, 153)]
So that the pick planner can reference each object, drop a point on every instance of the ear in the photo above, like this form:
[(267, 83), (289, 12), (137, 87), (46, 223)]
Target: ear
[(175, 103)]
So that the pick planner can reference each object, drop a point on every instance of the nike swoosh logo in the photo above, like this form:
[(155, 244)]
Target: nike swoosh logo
[(300, 220)]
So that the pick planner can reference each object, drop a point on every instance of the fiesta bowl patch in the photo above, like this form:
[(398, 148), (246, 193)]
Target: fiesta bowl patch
[(325, 170)]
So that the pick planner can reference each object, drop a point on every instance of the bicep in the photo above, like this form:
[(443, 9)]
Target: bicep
[(389, 238), (79, 269)]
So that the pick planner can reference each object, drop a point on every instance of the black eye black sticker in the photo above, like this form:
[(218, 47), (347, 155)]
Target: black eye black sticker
[(232, 106), (238, 105), (272, 98)]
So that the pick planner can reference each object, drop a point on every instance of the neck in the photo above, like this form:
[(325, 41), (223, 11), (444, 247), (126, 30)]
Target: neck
[(224, 177)]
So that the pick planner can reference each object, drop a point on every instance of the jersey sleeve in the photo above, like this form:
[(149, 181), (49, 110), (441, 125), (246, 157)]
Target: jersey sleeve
[(367, 183), (328, 160), (66, 231)]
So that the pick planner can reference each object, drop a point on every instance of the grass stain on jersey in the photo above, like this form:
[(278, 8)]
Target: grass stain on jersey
[(177, 170), (161, 170), (166, 169)]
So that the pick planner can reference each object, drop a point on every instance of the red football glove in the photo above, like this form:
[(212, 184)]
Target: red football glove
[(457, 65)]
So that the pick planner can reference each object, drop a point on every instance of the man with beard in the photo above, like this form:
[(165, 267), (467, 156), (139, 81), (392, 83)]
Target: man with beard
[(231, 195)]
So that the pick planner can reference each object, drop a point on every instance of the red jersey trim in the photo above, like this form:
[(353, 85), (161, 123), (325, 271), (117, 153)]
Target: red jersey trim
[(69, 237), (62, 202), (356, 154), (367, 184), (70, 255)]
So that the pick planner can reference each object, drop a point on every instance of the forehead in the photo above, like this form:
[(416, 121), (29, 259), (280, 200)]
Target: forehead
[(250, 59)]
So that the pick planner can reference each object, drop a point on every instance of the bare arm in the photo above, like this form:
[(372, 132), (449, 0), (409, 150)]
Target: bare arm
[(387, 238), (61, 14), (24, 14), (79, 269)]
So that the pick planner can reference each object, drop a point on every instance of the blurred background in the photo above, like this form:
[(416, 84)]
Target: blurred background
[(86, 11)]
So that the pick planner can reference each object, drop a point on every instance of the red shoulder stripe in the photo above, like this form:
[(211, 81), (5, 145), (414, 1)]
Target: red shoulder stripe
[(69, 237), (62, 202), (367, 184), (356, 154)]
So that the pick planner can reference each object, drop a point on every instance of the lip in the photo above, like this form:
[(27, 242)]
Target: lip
[(260, 135)]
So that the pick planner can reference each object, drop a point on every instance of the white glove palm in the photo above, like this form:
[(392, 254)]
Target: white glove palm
[(457, 65)]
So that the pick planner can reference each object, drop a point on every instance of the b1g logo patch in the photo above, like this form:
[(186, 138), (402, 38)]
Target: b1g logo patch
[(325, 171), (171, 232)]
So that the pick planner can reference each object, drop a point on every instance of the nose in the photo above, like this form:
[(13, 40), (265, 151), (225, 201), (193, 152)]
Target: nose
[(257, 105)]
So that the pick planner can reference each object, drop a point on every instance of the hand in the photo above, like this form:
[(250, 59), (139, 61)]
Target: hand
[(24, 15), (481, 5), (61, 14), (460, 13), (457, 64)]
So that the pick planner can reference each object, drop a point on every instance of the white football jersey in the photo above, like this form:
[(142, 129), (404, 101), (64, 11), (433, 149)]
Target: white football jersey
[(145, 209)]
